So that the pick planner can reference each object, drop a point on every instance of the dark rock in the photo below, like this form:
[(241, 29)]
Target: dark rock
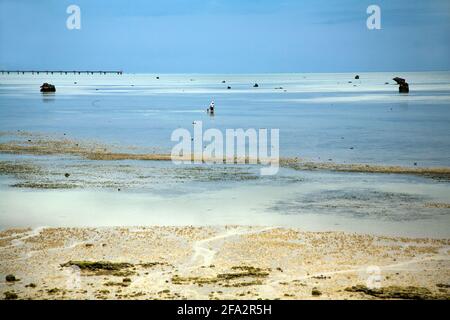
[(316, 292), (357, 77), (10, 295), (228, 87), (46, 87), (223, 81), (403, 85), (399, 80), (66, 175), (157, 78), (403, 88), (256, 85), (11, 278)]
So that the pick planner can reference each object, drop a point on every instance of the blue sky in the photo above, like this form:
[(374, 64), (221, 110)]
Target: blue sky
[(225, 36)]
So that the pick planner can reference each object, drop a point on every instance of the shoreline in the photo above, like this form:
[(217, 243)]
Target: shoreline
[(229, 262)]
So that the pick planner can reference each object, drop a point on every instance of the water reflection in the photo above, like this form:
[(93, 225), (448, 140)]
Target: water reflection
[(48, 97)]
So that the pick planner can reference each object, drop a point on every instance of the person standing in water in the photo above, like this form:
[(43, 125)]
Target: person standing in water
[(211, 107)]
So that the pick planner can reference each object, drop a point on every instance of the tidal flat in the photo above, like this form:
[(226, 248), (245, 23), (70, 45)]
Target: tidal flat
[(227, 262)]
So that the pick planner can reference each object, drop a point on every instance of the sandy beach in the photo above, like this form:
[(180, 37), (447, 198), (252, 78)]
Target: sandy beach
[(230, 262)]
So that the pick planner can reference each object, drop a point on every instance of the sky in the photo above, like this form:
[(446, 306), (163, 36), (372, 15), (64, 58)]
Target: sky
[(225, 36)]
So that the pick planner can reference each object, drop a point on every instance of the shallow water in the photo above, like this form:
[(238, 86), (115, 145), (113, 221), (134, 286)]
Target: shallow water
[(380, 204), (320, 117)]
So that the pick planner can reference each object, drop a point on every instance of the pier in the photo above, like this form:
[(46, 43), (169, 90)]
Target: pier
[(62, 72)]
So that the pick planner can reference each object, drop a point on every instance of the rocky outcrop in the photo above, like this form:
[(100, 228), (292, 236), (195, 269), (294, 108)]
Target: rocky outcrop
[(403, 88), (357, 77), (403, 85), (46, 87)]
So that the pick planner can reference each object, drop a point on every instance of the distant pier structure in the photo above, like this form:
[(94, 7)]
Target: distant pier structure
[(63, 72)]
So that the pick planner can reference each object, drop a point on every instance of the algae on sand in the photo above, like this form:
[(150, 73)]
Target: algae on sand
[(119, 269), (397, 292)]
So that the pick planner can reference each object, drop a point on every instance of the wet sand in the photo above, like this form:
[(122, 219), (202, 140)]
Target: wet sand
[(230, 262)]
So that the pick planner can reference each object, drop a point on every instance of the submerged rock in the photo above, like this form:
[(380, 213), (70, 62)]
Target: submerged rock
[(357, 77), (255, 85), (47, 87)]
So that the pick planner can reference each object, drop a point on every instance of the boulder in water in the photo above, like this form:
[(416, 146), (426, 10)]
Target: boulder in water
[(47, 87), (255, 85), (403, 85), (403, 88), (399, 80), (357, 77)]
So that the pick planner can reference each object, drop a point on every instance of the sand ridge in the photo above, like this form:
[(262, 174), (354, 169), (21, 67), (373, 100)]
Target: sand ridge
[(39, 144)]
